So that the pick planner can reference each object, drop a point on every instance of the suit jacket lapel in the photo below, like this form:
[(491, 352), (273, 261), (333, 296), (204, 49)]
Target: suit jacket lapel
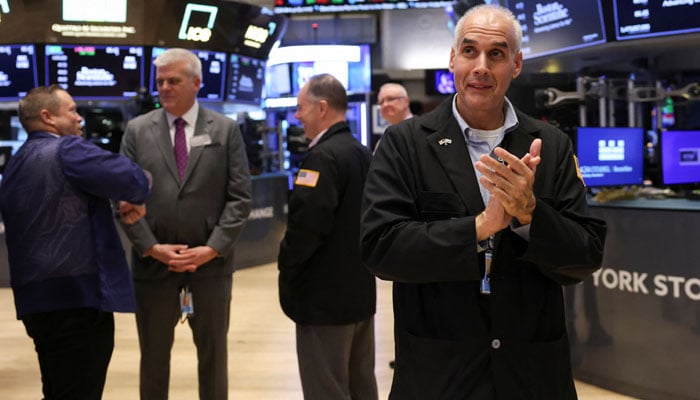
[(161, 134), (204, 127), (447, 142)]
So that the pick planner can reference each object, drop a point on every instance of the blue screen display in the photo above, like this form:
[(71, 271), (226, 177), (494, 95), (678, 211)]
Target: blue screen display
[(680, 157), (610, 156), (642, 19), (18, 73)]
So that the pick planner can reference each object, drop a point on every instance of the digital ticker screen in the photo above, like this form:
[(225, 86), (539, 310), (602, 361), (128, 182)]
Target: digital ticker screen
[(18, 72), (647, 18), (551, 27), (95, 72)]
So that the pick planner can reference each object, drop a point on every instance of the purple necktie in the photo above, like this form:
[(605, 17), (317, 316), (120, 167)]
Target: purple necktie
[(180, 148)]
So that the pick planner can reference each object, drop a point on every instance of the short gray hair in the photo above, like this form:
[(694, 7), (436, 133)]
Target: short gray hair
[(170, 56), (498, 9)]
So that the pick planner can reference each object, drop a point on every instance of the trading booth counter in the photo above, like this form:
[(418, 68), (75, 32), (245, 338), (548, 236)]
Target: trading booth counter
[(635, 325), (259, 242)]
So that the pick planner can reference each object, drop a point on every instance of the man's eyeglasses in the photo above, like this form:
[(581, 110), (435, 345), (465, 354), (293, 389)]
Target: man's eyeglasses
[(389, 100)]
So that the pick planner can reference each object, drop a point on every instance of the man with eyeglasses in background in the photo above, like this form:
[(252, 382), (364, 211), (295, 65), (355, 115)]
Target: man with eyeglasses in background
[(394, 104)]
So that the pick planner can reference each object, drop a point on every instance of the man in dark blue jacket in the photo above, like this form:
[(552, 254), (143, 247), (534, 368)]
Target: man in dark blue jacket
[(323, 286), (68, 271)]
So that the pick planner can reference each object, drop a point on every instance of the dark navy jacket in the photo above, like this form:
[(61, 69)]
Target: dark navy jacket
[(63, 246)]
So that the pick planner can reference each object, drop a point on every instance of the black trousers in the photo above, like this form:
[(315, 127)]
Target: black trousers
[(74, 349)]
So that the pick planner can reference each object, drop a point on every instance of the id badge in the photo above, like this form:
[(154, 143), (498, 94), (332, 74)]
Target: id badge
[(486, 280), (186, 305)]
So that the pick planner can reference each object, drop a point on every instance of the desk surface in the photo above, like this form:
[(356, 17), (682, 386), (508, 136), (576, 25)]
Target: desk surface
[(654, 204)]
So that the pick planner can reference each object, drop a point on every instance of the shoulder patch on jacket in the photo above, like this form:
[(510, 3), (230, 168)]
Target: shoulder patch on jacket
[(307, 177)]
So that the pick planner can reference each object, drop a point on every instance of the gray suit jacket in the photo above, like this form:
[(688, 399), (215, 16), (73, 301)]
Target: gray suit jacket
[(209, 207)]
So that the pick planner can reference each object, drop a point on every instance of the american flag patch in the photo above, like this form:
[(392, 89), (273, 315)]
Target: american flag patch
[(307, 177)]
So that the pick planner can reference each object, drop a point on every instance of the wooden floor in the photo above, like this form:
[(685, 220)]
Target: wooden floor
[(262, 358)]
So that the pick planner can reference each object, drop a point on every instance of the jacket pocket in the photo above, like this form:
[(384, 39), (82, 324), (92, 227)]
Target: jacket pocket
[(435, 206)]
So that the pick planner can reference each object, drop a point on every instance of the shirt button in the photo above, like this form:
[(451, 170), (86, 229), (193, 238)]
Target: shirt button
[(495, 344)]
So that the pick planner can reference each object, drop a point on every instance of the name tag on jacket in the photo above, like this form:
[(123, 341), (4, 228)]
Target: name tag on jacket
[(200, 140)]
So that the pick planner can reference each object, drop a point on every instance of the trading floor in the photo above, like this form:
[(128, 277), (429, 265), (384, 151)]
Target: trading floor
[(262, 359)]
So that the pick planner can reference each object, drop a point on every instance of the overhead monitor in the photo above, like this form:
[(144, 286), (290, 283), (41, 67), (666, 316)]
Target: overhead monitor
[(636, 19), (245, 80), (235, 27), (558, 26), (213, 84), (75, 21), (610, 156), (338, 6), (680, 157), (439, 82), (278, 81), (96, 72), (350, 64), (18, 73)]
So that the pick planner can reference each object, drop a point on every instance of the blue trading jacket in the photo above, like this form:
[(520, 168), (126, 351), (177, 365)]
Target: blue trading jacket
[(63, 247)]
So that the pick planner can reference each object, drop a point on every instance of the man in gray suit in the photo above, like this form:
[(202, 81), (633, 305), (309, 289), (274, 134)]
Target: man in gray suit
[(182, 254)]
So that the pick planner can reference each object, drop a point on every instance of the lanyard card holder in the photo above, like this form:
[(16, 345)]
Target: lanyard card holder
[(485, 285), (186, 305)]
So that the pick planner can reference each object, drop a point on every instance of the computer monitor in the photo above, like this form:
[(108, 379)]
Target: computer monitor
[(439, 82), (18, 71), (245, 80), (680, 157), (96, 72), (610, 156)]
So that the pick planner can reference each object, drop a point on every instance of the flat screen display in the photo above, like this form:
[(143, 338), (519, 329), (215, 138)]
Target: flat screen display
[(213, 73), (636, 19), (278, 82), (107, 22), (610, 156), (680, 157), (336, 6), (18, 72), (350, 64), (551, 27), (95, 72), (245, 79), (236, 27), (439, 82)]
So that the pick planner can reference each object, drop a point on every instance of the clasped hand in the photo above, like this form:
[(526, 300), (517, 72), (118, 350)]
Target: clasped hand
[(180, 258), (130, 213), (510, 183)]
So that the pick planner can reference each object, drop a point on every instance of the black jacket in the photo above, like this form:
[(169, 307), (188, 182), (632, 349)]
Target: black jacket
[(322, 280), (420, 202)]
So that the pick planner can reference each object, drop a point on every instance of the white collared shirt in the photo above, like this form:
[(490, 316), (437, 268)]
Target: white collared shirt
[(190, 118), (315, 140)]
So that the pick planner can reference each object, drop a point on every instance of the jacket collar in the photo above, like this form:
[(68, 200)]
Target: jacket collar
[(335, 129), (446, 140)]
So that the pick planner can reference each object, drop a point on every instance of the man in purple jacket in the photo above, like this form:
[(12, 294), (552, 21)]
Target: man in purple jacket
[(68, 271)]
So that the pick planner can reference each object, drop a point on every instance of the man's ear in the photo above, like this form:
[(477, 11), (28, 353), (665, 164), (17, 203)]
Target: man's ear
[(46, 117), (323, 106)]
